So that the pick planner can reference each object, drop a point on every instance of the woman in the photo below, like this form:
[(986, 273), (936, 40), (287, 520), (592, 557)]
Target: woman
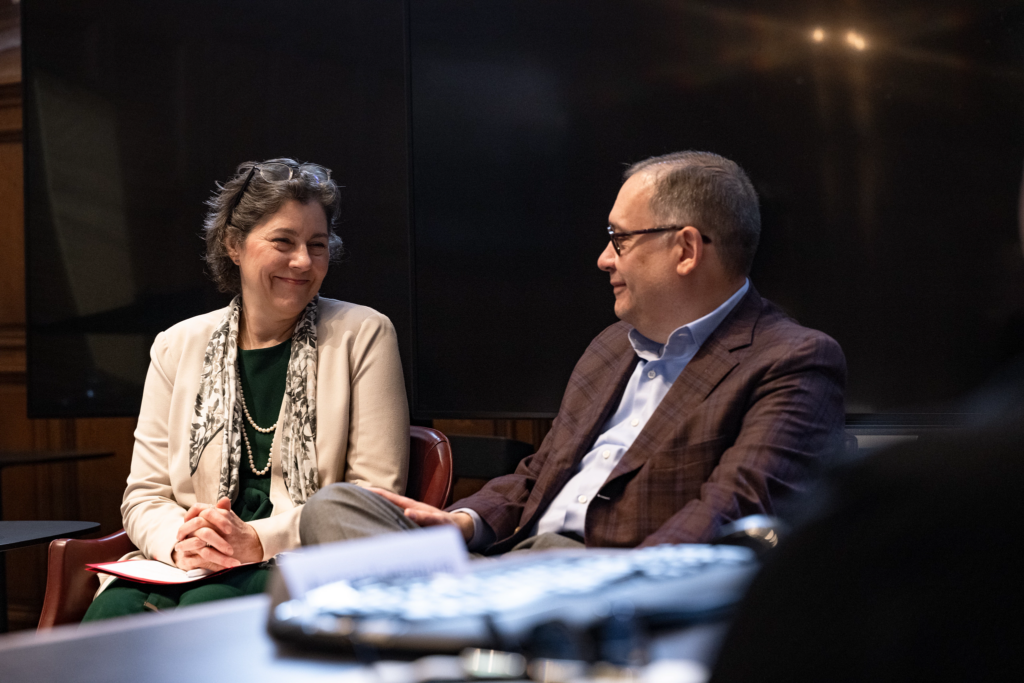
[(249, 410)]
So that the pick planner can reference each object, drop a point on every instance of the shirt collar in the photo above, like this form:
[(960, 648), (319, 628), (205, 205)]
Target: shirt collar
[(685, 339)]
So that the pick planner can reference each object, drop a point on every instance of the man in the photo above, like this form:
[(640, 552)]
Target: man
[(703, 405)]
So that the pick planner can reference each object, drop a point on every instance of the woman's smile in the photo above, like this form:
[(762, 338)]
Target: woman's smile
[(292, 281)]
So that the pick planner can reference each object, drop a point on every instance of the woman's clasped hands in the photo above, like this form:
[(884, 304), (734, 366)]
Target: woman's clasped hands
[(213, 537)]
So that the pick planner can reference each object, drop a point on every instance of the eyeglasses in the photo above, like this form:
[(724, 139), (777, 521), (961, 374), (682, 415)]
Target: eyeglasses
[(279, 172), (617, 237)]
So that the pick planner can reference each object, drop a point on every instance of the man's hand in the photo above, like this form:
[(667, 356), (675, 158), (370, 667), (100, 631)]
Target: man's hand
[(213, 537), (428, 515)]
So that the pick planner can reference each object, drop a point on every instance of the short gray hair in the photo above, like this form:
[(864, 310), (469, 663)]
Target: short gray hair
[(712, 194), (261, 200)]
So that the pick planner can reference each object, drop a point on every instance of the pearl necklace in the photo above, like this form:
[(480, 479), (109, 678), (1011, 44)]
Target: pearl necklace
[(248, 446)]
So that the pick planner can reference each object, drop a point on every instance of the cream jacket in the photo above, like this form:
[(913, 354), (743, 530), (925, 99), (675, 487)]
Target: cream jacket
[(362, 425)]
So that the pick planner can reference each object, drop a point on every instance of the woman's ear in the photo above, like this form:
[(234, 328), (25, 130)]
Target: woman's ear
[(231, 244)]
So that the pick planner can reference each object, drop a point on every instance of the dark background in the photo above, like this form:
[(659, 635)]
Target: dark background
[(481, 146), (134, 110)]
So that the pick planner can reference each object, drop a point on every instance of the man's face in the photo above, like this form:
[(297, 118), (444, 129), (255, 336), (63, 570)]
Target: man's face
[(644, 275)]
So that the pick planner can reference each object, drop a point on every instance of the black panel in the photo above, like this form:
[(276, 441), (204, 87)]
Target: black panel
[(889, 178), (133, 111)]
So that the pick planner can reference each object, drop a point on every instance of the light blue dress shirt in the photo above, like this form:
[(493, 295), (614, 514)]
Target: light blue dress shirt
[(659, 366)]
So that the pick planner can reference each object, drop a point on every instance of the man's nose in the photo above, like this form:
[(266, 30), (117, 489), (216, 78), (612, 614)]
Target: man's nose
[(606, 261)]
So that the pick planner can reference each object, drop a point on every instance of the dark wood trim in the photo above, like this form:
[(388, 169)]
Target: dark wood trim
[(10, 95), (12, 355), (10, 113)]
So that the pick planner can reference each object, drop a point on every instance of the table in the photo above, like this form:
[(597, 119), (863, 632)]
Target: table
[(218, 642), (20, 534), (12, 458)]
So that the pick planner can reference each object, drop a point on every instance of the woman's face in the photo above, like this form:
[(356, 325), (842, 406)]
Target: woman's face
[(283, 260)]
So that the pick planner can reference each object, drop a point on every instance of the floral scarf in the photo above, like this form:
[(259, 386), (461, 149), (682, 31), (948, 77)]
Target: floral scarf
[(217, 407)]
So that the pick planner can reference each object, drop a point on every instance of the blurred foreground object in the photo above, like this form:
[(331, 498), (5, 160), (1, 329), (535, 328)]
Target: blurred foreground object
[(577, 605), (908, 570)]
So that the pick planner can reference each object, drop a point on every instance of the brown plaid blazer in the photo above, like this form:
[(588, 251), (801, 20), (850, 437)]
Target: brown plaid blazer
[(742, 424)]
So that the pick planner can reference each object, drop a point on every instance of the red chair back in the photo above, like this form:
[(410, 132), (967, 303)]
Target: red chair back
[(430, 466), (69, 586)]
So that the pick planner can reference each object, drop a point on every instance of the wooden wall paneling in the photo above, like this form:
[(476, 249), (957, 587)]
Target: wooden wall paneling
[(40, 492), (55, 491), (12, 208), (24, 566), (466, 427), (101, 482), (530, 431), (16, 434), (10, 41), (12, 236), (56, 485), (20, 484)]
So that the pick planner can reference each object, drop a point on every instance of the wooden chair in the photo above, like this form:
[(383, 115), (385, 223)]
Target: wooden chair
[(70, 587)]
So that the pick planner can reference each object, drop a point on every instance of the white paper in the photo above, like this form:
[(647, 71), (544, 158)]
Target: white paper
[(405, 553), (151, 571)]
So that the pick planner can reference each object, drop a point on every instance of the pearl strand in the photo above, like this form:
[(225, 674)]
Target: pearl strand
[(248, 446), (248, 417)]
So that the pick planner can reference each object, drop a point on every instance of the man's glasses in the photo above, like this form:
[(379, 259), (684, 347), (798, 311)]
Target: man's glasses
[(278, 172), (617, 237)]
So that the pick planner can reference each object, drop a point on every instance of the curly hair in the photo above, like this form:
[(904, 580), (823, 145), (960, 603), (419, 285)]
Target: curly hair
[(261, 200)]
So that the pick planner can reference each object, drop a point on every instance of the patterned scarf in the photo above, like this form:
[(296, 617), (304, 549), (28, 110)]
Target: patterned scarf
[(217, 407)]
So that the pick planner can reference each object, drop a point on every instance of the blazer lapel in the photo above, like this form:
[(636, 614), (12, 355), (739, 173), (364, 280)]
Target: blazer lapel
[(599, 382), (600, 385), (206, 478), (706, 371)]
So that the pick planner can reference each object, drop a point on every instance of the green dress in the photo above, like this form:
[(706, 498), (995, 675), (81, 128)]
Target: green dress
[(262, 372)]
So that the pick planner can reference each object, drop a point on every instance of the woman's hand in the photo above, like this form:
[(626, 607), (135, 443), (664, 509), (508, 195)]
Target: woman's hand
[(428, 515), (213, 537)]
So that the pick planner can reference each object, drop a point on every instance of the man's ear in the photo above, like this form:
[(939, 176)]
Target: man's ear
[(690, 248)]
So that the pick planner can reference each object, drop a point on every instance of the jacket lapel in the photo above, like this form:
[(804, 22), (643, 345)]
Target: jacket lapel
[(206, 478), (706, 371), (599, 383), (599, 386)]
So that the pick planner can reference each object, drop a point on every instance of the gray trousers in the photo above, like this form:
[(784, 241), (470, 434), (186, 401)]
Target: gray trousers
[(341, 512)]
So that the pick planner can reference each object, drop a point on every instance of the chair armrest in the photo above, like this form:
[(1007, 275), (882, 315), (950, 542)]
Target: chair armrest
[(430, 466), (69, 585)]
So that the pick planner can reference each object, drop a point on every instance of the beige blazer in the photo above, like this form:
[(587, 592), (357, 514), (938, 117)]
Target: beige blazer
[(362, 427)]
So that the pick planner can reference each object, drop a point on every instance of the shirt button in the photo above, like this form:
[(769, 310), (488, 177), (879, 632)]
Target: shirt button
[(582, 499), (635, 422), (651, 374), (606, 455)]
